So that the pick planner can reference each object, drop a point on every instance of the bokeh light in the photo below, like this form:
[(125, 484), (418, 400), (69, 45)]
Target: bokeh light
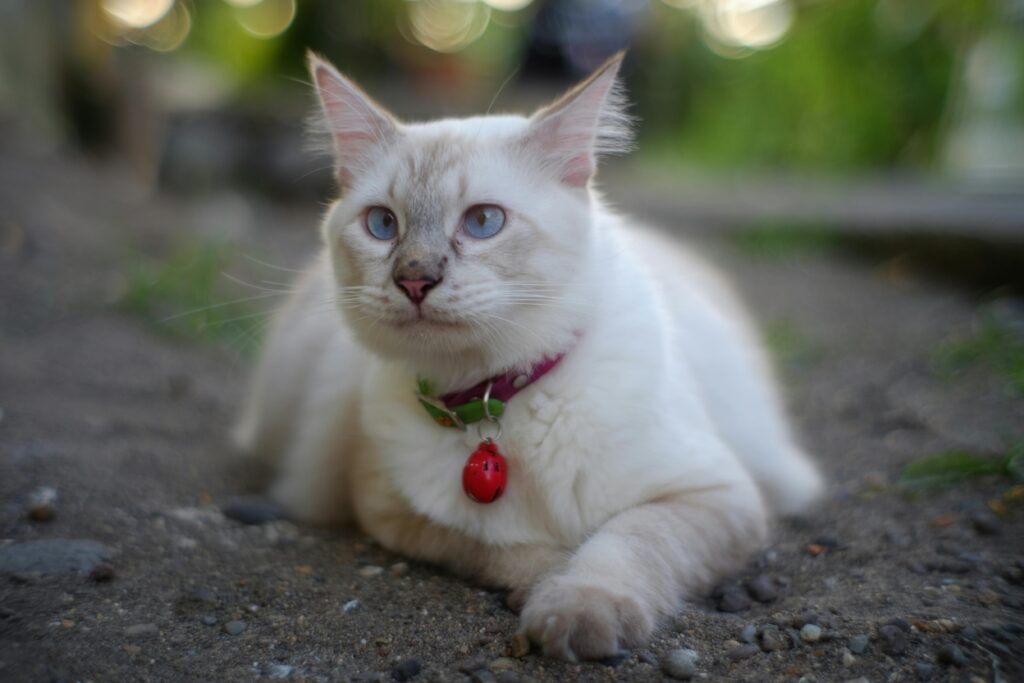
[(447, 25), (265, 18), (755, 24), (508, 5), (135, 14)]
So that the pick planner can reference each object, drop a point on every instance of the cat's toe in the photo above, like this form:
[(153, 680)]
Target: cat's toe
[(575, 622)]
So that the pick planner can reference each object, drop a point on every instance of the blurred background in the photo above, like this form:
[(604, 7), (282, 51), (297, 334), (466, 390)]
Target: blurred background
[(785, 122)]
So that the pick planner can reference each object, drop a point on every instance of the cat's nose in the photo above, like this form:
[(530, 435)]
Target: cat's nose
[(417, 290)]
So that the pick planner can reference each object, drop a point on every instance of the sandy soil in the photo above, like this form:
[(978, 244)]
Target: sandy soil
[(128, 427)]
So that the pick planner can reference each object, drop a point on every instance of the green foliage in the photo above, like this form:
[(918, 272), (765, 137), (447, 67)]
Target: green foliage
[(842, 92), (179, 296), (948, 469), (790, 347), (784, 240), (993, 344)]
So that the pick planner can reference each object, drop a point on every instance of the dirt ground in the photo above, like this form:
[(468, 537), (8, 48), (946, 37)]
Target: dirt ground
[(128, 425)]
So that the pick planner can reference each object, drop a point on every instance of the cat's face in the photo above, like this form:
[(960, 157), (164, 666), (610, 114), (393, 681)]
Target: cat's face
[(461, 234)]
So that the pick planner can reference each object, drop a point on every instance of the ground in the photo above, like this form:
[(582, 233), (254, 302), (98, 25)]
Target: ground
[(127, 424)]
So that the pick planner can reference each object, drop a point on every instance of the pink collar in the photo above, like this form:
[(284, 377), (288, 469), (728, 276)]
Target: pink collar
[(505, 385)]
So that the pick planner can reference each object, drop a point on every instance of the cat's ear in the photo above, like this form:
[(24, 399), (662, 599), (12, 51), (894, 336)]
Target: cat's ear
[(568, 135), (358, 127)]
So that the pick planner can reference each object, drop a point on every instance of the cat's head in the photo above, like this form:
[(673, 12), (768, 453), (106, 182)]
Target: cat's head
[(467, 237)]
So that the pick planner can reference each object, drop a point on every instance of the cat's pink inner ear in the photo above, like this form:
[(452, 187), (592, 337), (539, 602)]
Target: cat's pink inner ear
[(356, 123), (588, 120)]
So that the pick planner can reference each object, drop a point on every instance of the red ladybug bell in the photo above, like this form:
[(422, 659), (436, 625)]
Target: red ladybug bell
[(485, 475)]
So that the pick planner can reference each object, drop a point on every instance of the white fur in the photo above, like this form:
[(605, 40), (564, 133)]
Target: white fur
[(645, 465)]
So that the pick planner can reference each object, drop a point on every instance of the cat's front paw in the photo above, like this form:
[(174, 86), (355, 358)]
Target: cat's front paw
[(572, 620)]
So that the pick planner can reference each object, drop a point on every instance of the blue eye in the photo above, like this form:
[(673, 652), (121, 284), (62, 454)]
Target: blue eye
[(483, 221), (381, 223)]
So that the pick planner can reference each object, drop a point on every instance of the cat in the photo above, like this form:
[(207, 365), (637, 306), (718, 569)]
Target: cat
[(644, 445)]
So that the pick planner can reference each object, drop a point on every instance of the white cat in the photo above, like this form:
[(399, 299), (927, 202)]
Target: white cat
[(643, 460)]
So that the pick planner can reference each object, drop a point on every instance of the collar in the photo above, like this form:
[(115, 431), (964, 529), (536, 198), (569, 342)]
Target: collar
[(466, 406)]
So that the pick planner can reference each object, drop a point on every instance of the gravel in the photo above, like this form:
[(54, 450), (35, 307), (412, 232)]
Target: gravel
[(951, 655), (762, 588), (407, 669), (892, 640), (235, 627), (252, 510), (858, 643), (810, 633), (730, 597)]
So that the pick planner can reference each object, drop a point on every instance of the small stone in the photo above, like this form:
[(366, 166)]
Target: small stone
[(827, 541), (209, 620), (729, 597), (749, 633), (519, 646), (371, 570), (951, 655), (893, 640), (924, 671), (810, 633), (399, 569), (647, 657), (482, 676), (814, 549), (773, 640), (42, 504), (858, 643), (102, 572), (407, 669), (680, 664), (942, 521), (280, 671), (507, 677), (744, 651), (848, 659), (762, 588), (502, 664), (235, 627), (350, 606), (986, 522), (252, 510), (142, 631), (53, 556), (988, 597), (132, 650)]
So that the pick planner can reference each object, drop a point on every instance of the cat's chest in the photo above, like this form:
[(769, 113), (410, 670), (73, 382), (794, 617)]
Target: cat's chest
[(425, 463)]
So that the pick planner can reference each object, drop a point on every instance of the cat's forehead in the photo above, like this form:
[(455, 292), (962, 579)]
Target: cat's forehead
[(450, 152)]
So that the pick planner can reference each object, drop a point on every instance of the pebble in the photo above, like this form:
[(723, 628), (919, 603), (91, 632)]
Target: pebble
[(502, 664), (42, 504), (729, 597), (407, 669), (482, 676), (762, 588), (749, 633), (142, 631), (102, 572), (371, 570), (399, 569), (924, 671), (234, 628), (55, 556), (507, 677), (772, 639), (680, 664), (519, 646), (985, 522), (951, 655), (280, 671), (893, 640), (252, 510), (742, 651), (848, 659), (210, 620), (350, 606), (858, 643), (616, 660), (810, 633)]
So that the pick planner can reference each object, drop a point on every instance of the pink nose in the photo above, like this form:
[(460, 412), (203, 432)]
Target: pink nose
[(416, 290)]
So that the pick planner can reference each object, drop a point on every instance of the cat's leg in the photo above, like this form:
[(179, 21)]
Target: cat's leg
[(639, 566)]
